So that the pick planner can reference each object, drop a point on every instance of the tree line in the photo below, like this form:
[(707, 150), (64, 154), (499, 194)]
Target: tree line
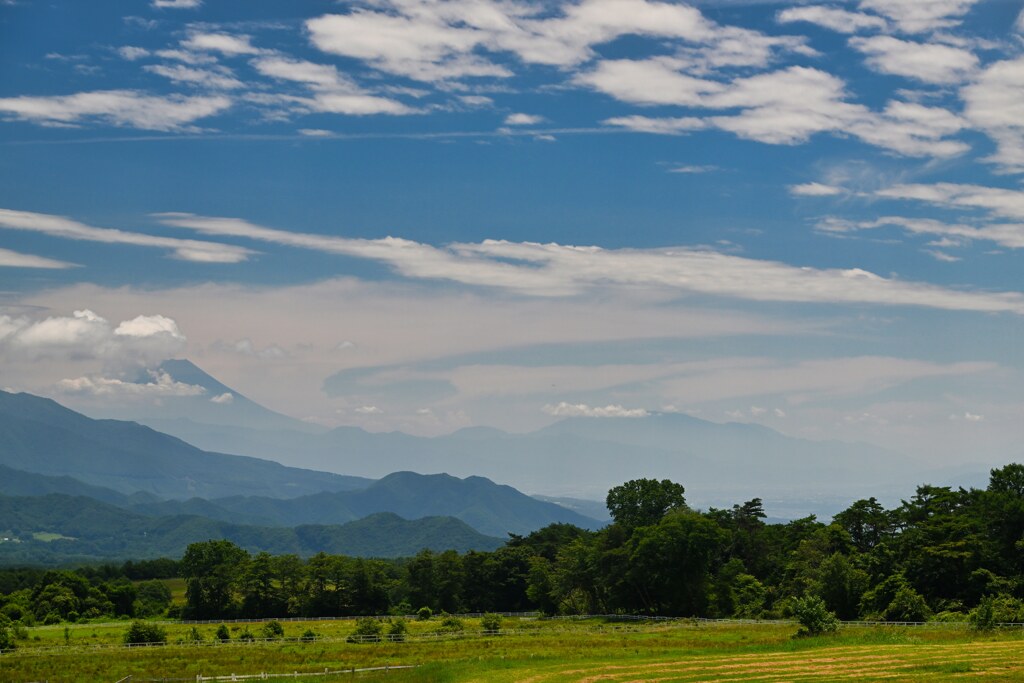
[(934, 556)]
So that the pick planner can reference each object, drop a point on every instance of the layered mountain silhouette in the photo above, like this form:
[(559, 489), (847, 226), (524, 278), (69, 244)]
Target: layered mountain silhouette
[(43, 437), (489, 508), (584, 457)]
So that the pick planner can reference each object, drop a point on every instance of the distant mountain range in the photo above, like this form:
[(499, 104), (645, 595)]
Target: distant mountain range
[(485, 506), (39, 435), (584, 457), (76, 488), (57, 528)]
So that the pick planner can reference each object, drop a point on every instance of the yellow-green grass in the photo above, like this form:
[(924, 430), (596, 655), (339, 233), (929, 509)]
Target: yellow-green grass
[(546, 652)]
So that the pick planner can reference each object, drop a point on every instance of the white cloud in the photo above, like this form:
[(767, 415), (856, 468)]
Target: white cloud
[(928, 62), (245, 347), (128, 108), (59, 226), (176, 4), (994, 102), (815, 190), (160, 385), (520, 119), (658, 126), (220, 78), (942, 256), (369, 410), (919, 16), (333, 92), (558, 270), (85, 335), (839, 20), (1007, 235), (315, 133), (780, 107), (656, 81), (564, 409), (443, 41), (226, 398), (225, 43), (1019, 24), (997, 201), (691, 170), (132, 53), (13, 259)]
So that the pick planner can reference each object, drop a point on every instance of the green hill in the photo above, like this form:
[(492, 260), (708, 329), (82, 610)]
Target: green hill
[(57, 528)]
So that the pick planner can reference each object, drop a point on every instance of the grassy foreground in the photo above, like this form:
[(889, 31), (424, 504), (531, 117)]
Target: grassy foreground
[(537, 651)]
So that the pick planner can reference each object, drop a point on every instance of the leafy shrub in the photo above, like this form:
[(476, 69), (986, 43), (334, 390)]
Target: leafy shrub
[(424, 613), (368, 630), (6, 636), (814, 617), (272, 630), (490, 623), (907, 605), (397, 628), (246, 635), (222, 634), (983, 617), (308, 636), (143, 632), (193, 636), (451, 624)]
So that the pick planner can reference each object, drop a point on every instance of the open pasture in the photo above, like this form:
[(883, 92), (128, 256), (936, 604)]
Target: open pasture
[(538, 651)]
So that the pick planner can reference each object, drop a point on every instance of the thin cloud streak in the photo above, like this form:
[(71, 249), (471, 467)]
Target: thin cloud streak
[(560, 270)]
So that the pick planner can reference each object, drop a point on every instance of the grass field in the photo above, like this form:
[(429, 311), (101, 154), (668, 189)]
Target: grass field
[(537, 651)]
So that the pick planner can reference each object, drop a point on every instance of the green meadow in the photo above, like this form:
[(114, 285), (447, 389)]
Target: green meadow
[(539, 651)]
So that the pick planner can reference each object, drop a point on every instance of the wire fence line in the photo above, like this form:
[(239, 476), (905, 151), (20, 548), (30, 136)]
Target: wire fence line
[(264, 675), (442, 635)]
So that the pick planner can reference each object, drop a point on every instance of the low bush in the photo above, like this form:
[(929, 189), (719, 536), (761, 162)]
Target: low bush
[(141, 632), (814, 617), (490, 623), (368, 630)]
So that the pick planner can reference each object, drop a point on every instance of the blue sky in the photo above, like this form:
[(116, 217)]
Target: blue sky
[(424, 215)]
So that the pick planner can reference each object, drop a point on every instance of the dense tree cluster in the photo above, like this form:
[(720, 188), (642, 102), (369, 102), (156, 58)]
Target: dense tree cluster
[(937, 555)]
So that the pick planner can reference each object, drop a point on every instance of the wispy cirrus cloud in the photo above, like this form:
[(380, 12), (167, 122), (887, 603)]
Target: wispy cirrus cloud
[(58, 226), (560, 270), (128, 108), (14, 259)]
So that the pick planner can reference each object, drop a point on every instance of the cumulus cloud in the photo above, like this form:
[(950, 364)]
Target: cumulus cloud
[(369, 410), (160, 385), (780, 107), (13, 259), (333, 92), (59, 226), (928, 62), (994, 102), (839, 20), (564, 409), (143, 340), (919, 16), (127, 108), (226, 398), (444, 41), (560, 270)]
